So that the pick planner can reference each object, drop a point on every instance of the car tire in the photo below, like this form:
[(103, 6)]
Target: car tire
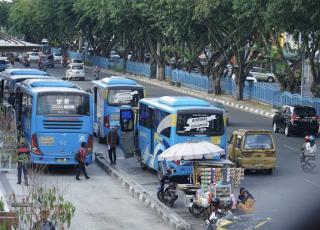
[(287, 131), (270, 79), (275, 127)]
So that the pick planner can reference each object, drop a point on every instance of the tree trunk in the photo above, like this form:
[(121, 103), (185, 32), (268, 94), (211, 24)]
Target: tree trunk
[(239, 93), (160, 65), (315, 79), (217, 85)]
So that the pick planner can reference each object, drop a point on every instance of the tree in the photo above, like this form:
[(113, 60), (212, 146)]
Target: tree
[(303, 25), (4, 13)]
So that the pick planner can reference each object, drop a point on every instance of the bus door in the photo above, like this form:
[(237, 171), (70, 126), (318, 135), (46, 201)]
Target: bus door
[(127, 136)]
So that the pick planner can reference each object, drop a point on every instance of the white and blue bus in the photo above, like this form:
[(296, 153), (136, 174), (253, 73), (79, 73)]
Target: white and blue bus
[(11, 77), (114, 97), (169, 120), (54, 117)]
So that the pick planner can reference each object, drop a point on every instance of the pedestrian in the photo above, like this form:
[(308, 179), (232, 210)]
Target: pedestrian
[(113, 142), (81, 160), (22, 160)]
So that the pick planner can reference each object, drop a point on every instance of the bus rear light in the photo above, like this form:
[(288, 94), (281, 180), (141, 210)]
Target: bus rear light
[(107, 121), (90, 143), (34, 144)]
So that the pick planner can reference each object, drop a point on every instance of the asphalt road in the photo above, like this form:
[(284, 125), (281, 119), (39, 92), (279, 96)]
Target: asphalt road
[(288, 196)]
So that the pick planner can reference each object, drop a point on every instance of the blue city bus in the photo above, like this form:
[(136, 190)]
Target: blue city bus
[(111, 96), (54, 117), (169, 120), (11, 77)]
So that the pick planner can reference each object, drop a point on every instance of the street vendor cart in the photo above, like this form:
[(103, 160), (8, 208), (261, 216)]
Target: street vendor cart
[(212, 177)]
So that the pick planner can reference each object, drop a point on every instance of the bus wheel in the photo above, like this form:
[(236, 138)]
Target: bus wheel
[(143, 166)]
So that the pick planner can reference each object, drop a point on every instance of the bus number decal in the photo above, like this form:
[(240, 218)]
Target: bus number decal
[(199, 122)]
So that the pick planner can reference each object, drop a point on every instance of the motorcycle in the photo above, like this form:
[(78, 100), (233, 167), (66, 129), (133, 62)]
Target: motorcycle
[(42, 66), (26, 62), (308, 161), (240, 222), (167, 190)]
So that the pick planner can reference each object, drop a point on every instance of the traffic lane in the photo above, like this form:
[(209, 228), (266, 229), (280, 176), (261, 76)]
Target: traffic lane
[(101, 202)]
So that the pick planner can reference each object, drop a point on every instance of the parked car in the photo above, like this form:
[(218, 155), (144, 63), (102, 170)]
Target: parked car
[(57, 57), (262, 75), (252, 149), (75, 62), (225, 110), (75, 72), (296, 119), (114, 56), (34, 57)]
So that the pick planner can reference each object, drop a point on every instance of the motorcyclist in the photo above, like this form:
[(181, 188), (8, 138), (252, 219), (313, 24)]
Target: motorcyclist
[(309, 148), (64, 61), (97, 73)]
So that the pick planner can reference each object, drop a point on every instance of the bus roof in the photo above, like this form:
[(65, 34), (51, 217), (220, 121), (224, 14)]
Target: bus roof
[(25, 72), (17, 77), (48, 85), (115, 81), (174, 103)]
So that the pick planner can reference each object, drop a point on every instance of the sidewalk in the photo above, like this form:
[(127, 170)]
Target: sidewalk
[(246, 105)]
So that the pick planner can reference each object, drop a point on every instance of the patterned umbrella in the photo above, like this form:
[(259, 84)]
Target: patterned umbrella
[(192, 150)]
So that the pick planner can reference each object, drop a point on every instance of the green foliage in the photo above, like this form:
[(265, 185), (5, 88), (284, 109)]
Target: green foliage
[(43, 203), (1, 205)]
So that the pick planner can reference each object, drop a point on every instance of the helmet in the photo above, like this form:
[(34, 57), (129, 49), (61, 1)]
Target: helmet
[(306, 138), (216, 202), (311, 138)]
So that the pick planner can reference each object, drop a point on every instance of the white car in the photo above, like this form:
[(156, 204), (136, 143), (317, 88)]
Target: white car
[(262, 75), (222, 107), (75, 62), (75, 72), (57, 57), (34, 56)]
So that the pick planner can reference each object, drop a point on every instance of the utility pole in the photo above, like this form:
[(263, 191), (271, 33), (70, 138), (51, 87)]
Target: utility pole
[(302, 66)]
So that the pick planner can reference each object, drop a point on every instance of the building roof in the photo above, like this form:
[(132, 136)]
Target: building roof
[(7, 42)]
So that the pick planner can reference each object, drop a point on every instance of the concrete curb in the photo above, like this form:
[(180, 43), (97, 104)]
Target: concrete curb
[(193, 92), (166, 214)]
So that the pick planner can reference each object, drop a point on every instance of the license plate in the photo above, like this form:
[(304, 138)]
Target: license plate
[(46, 140)]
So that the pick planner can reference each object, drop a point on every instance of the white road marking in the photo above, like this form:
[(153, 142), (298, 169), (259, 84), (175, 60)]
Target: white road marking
[(313, 183), (293, 149)]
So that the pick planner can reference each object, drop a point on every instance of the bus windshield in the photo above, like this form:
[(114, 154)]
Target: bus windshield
[(124, 96), (199, 123), (63, 104)]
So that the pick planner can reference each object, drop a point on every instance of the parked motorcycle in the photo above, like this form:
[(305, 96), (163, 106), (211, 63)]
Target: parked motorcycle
[(240, 222), (167, 192), (42, 66)]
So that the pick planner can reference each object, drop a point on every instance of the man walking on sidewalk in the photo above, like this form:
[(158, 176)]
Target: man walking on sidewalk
[(113, 142), (22, 160), (81, 159)]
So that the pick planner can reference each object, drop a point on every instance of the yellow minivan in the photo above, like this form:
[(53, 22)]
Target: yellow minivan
[(253, 149)]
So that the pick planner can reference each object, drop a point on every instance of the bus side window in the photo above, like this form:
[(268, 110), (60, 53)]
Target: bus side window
[(158, 117), (145, 116), (239, 140)]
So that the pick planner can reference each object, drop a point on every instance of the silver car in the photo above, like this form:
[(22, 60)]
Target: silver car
[(262, 75)]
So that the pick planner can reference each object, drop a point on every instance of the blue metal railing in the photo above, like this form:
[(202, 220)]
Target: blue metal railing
[(261, 92)]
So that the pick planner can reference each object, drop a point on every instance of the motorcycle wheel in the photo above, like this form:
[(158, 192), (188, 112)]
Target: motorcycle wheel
[(196, 210), (160, 196)]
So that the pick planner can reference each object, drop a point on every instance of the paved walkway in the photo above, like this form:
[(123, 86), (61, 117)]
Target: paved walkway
[(101, 202)]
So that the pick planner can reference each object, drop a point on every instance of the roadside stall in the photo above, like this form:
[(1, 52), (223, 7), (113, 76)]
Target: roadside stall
[(212, 175)]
